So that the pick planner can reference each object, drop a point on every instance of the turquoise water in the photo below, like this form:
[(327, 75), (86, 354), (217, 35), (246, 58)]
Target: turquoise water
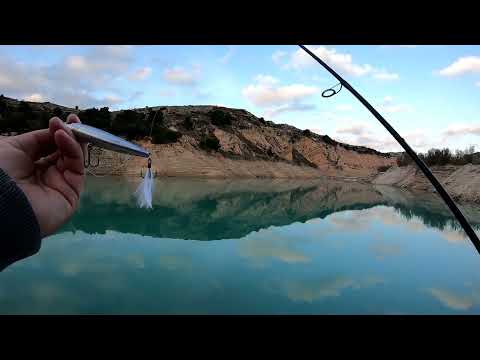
[(251, 247)]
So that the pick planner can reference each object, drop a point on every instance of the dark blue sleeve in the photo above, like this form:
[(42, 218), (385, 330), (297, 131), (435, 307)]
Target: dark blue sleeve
[(20, 235)]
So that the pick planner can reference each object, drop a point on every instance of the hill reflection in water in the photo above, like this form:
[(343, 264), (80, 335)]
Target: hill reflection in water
[(286, 247), (221, 209)]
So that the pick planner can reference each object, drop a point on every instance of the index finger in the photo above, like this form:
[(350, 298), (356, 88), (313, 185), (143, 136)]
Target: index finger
[(73, 118)]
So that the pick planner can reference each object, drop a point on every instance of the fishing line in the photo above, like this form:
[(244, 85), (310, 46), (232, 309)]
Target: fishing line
[(425, 169)]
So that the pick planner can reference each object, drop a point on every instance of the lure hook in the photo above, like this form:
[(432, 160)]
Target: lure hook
[(87, 162)]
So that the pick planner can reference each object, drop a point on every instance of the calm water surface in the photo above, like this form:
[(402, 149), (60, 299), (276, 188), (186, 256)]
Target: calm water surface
[(251, 247)]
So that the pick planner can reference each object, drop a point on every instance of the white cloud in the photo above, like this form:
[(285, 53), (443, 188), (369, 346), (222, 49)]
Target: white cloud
[(387, 100), (452, 300), (72, 80), (417, 139), (266, 80), (463, 65), (181, 76), (113, 99), (202, 94), (310, 291), (458, 130), (365, 134), (265, 94), (267, 248), (295, 107), (388, 107), (76, 63), (344, 107), (166, 93), (277, 56), (342, 62), (135, 95), (477, 83), (354, 129), (141, 74), (384, 75), (230, 52), (391, 109), (35, 98)]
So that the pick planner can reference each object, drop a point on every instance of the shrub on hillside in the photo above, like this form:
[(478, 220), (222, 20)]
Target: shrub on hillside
[(3, 105), (210, 142), (188, 123), (98, 118), (130, 123), (440, 157), (58, 112), (162, 135), (155, 118), (220, 118)]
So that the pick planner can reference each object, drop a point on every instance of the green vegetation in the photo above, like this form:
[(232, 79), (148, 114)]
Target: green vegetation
[(129, 123), (220, 118), (98, 118), (328, 140), (188, 123), (306, 132), (210, 142), (162, 135), (58, 113), (262, 120), (21, 118), (440, 157), (155, 117)]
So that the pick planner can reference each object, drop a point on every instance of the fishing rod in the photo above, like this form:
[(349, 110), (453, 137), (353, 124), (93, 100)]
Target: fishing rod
[(433, 180)]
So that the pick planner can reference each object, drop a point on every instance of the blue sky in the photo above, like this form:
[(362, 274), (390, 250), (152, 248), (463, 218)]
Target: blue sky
[(429, 93)]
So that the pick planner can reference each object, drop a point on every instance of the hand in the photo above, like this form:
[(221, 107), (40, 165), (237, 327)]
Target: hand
[(48, 166)]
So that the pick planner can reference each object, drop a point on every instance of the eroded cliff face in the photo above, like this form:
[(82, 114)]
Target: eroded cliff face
[(461, 181), (249, 147)]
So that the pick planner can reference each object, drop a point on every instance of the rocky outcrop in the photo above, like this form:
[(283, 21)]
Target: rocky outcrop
[(462, 182), (249, 147)]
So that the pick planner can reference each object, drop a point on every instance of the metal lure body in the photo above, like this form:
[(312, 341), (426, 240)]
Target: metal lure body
[(105, 140)]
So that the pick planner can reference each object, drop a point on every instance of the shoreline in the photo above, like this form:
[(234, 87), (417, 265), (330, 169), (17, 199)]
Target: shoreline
[(462, 182)]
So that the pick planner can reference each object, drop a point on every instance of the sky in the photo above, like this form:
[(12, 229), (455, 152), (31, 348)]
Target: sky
[(430, 94)]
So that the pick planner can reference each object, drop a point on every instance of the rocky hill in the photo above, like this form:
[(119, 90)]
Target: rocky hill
[(211, 141)]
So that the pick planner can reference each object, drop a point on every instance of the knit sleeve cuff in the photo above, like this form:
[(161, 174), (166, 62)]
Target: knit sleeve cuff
[(20, 235)]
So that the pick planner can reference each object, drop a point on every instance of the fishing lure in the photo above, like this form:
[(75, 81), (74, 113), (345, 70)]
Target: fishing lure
[(105, 140)]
